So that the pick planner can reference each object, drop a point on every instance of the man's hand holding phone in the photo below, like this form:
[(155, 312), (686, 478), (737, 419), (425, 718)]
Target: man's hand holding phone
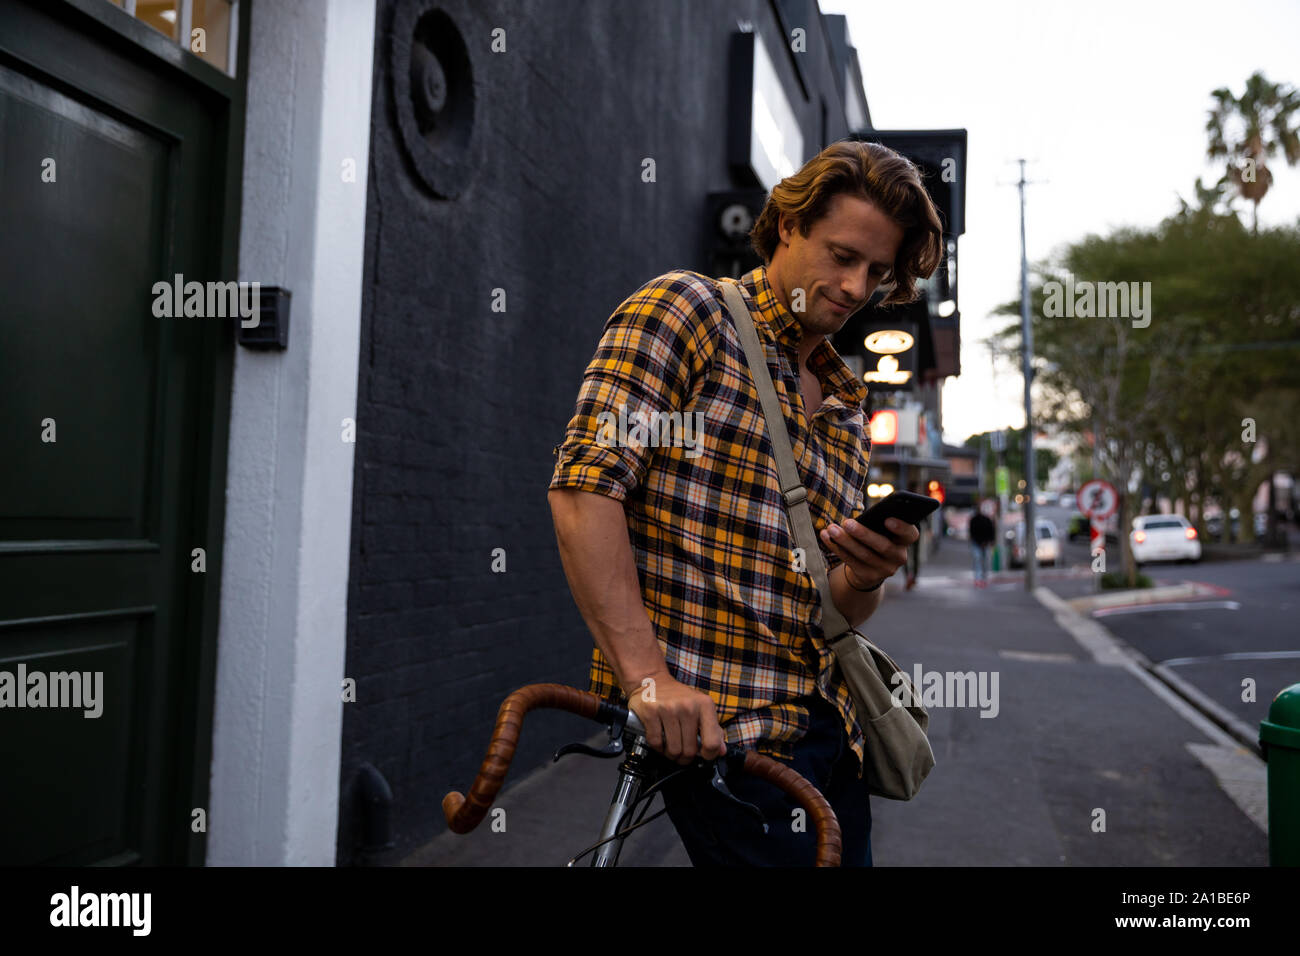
[(869, 557), (875, 546)]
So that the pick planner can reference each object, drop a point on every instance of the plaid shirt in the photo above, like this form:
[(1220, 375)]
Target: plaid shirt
[(707, 522)]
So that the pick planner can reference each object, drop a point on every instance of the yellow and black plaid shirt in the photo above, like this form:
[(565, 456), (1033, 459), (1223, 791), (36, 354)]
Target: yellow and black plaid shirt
[(736, 615)]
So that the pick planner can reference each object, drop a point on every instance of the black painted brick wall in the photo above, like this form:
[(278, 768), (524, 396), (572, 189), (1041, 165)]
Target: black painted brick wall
[(459, 406)]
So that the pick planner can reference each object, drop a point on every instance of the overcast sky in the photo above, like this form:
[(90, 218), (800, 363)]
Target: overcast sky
[(1108, 101)]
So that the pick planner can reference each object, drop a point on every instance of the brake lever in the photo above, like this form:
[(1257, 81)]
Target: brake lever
[(732, 760), (612, 749)]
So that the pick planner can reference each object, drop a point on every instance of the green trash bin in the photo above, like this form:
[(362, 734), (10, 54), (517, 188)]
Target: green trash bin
[(1279, 737)]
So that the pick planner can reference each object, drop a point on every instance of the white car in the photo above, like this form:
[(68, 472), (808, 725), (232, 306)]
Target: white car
[(1047, 550), (1164, 538)]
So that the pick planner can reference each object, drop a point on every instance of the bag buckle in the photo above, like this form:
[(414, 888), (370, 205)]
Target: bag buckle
[(850, 633), (795, 495)]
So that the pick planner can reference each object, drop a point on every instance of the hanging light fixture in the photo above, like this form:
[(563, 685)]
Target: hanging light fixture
[(889, 341)]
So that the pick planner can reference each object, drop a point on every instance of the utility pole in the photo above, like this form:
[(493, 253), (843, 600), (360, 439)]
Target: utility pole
[(998, 440), (1027, 358)]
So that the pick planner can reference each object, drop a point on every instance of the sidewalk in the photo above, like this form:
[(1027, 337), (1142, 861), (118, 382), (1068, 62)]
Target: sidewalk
[(1087, 762)]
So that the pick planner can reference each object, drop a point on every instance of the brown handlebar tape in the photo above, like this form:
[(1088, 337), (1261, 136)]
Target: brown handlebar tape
[(463, 814), (829, 841)]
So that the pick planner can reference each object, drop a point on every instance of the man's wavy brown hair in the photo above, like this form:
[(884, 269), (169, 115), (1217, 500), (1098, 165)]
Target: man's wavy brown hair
[(877, 174)]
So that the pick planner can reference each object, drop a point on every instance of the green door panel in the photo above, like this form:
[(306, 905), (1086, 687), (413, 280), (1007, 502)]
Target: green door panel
[(114, 175)]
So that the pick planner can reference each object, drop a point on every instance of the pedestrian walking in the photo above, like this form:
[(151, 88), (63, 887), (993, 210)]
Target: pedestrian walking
[(982, 535)]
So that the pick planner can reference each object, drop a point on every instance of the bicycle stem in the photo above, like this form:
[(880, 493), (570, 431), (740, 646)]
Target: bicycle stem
[(632, 778)]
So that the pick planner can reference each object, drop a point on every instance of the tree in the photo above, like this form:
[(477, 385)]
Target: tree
[(1250, 129), (1044, 458), (1170, 398)]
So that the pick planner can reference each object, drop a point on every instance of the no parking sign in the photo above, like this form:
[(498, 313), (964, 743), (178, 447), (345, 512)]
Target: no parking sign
[(1098, 500)]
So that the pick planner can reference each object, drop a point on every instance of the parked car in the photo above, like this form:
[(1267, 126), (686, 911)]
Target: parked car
[(1048, 550), (1080, 527), (1214, 524), (1067, 500), (1164, 538)]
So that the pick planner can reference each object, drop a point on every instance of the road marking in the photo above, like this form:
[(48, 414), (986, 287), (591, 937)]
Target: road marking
[(1235, 656), (1039, 656), (1172, 606)]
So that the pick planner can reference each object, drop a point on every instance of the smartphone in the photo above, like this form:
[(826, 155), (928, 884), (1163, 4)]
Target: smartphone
[(903, 505)]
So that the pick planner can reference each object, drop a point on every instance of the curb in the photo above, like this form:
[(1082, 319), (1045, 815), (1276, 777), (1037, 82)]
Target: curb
[(1166, 594), (1244, 734), (1107, 648)]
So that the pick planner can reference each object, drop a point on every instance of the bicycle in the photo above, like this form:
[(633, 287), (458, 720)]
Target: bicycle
[(638, 779)]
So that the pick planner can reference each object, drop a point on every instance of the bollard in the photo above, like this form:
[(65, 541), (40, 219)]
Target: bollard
[(1279, 737)]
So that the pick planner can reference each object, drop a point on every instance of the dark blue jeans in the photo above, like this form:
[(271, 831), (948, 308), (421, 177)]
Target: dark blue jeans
[(718, 832)]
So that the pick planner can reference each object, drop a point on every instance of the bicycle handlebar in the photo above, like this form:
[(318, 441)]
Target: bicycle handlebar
[(465, 813)]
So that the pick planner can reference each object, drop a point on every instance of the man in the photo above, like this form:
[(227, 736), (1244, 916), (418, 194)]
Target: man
[(982, 534), (678, 552)]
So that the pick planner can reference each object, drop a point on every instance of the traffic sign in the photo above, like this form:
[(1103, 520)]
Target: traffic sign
[(1098, 499), (1096, 535)]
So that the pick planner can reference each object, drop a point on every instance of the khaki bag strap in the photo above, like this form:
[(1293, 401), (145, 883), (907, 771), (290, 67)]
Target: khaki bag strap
[(834, 625)]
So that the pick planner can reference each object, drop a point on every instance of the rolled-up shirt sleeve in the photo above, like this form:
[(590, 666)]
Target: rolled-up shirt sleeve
[(649, 356)]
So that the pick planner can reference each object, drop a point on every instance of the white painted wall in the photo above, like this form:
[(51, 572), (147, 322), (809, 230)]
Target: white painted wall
[(278, 717)]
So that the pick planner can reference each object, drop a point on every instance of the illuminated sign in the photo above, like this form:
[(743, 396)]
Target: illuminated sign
[(887, 372), (895, 426), (884, 427), (888, 341), (765, 134)]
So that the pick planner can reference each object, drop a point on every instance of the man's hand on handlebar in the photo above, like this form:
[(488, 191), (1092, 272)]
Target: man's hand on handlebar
[(680, 722)]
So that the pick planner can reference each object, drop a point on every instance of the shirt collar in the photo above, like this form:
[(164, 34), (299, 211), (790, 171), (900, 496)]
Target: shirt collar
[(836, 377)]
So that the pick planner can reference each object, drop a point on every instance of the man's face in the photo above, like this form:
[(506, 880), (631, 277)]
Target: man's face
[(837, 265)]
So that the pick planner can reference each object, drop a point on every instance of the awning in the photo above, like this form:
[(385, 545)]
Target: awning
[(937, 464)]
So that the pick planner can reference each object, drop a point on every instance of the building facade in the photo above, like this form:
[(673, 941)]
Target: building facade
[(311, 582)]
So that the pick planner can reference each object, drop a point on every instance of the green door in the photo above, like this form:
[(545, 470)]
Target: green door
[(113, 172)]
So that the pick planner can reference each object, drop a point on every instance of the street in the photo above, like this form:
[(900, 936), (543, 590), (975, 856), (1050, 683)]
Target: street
[(1237, 641), (1249, 633)]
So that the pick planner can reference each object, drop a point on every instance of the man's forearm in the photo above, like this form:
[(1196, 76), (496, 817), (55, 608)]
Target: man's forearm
[(855, 605), (596, 553)]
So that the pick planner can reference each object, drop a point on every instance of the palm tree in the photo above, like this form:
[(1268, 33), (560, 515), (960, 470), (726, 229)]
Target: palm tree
[(1266, 111)]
